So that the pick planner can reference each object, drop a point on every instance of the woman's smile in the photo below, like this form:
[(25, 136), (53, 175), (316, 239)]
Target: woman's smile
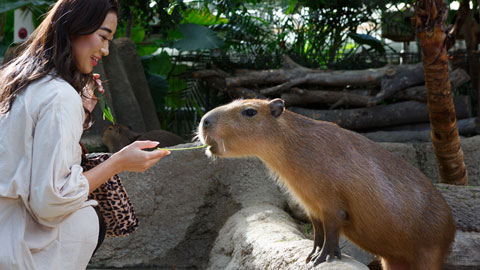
[(95, 60)]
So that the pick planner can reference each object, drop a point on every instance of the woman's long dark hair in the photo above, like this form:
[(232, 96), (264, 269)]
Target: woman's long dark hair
[(49, 49)]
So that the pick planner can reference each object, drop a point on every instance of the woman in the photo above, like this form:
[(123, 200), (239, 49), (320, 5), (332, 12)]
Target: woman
[(46, 221)]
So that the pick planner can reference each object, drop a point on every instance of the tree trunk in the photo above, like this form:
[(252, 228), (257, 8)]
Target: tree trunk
[(431, 32)]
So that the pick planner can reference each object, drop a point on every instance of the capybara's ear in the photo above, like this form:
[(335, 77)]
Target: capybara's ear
[(277, 106)]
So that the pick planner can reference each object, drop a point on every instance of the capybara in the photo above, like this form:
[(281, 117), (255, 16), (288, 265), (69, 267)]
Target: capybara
[(346, 183), (115, 137)]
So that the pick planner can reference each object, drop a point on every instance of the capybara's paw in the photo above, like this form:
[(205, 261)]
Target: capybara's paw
[(315, 250), (324, 255)]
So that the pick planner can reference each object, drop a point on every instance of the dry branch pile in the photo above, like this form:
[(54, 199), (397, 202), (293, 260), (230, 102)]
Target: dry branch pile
[(354, 99)]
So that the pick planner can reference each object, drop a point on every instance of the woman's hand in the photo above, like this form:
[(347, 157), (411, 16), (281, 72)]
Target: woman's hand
[(133, 158), (89, 99)]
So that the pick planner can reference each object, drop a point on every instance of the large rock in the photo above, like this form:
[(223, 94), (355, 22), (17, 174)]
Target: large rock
[(422, 156), (182, 203), (266, 237), (465, 252), (227, 213)]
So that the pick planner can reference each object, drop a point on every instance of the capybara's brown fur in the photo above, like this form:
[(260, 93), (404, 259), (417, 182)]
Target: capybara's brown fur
[(346, 183), (115, 137)]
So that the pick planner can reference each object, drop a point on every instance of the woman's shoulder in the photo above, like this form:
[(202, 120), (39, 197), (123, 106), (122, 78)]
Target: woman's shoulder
[(52, 89), (54, 85), (54, 94)]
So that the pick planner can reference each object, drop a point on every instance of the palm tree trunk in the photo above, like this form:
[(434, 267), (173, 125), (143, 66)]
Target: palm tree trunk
[(431, 32)]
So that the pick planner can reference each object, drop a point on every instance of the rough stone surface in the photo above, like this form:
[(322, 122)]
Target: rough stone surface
[(128, 56), (465, 203), (265, 237), (422, 156), (182, 202), (465, 252), (198, 213)]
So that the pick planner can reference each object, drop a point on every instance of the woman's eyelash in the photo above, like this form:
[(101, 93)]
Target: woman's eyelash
[(105, 38)]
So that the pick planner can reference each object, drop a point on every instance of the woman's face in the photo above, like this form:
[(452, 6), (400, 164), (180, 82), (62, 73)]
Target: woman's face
[(89, 49)]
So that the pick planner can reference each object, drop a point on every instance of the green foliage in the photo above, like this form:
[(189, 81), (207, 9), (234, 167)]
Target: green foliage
[(313, 33), (7, 32), (201, 17), (107, 112), (197, 37), (364, 39), (308, 228), (37, 7), (8, 5), (178, 103)]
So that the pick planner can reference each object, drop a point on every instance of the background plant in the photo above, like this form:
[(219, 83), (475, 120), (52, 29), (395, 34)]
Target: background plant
[(175, 37)]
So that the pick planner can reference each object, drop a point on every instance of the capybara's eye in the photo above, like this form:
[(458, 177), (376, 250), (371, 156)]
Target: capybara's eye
[(249, 112)]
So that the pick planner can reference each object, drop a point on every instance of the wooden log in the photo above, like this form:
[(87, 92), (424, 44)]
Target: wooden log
[(201, 74), (418, 93), (458, 77), (242, 92), (285, 79), (383, 115), (466, 126), (309, 97), (293, 71), (398, 78), (420, 132), (301, 97), (399, 136)]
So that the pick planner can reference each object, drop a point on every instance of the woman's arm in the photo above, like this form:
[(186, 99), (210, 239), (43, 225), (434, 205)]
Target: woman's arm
[(131, 158)]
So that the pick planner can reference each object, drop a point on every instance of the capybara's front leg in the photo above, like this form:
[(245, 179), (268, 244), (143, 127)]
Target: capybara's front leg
[(330, 248), (317, 225)]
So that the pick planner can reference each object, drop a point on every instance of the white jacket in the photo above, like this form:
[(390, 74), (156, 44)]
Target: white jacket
[(45, 218)]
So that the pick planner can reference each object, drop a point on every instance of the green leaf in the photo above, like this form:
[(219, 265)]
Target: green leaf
[(201, 17), (107, 112), (171, 7), (175, 34), (364, 39), (146, 49), (197, 37), (291, 7), (137, 34), (160, 64)]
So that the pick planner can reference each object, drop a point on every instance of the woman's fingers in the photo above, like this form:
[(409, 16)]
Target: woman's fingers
[(96, 77), (138, 160), (145, 144)]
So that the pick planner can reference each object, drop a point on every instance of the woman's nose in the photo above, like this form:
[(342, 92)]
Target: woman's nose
[(104, 51)]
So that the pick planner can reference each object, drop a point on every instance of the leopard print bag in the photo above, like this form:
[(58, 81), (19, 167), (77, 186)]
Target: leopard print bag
[(113, 201)]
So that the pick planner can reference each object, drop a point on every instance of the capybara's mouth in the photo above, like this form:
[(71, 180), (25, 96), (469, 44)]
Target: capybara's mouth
[(206, 138), (212, 145)]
